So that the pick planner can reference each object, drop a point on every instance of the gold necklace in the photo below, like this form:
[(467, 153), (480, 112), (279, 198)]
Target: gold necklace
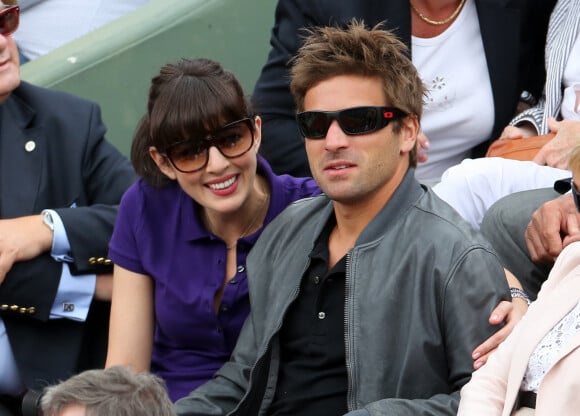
[(438, 22), (250, 225)]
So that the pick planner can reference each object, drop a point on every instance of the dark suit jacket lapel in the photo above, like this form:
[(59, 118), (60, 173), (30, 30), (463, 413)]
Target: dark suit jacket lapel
[(21, 166), (394, 11), (500, 26), (395, 14)]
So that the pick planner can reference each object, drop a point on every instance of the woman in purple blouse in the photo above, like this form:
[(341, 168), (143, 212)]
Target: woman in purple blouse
[(183, 230)]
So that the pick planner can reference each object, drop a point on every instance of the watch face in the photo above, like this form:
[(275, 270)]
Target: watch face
[(47, 219)]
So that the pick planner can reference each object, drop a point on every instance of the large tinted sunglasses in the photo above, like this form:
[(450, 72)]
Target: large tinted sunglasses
[(9, 18), (352, 121), (232, 140)]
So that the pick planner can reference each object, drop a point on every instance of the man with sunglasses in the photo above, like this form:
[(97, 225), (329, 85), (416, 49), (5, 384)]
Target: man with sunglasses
[(461, 117), (60, 182), (369, 299)]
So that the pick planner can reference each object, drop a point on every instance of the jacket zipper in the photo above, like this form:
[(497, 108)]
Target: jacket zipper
[(295, 293), (350, 400)]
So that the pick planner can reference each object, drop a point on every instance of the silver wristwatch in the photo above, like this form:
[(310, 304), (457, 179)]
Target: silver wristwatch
[(47, 219)]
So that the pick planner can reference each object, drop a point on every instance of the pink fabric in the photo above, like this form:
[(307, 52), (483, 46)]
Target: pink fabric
[(494, 388)]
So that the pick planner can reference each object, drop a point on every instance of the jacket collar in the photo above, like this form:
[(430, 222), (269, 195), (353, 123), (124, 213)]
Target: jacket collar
[(405, 196)]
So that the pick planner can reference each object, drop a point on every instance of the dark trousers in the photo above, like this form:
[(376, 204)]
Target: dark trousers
[(10, 406)]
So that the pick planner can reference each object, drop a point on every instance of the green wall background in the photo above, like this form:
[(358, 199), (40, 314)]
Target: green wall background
[(114, 64)]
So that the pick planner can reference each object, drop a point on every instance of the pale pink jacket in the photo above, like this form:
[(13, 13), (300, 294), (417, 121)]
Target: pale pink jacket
[(494, 387)]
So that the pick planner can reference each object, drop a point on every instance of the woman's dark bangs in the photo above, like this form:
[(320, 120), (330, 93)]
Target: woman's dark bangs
[(193, 108), (222, 104)]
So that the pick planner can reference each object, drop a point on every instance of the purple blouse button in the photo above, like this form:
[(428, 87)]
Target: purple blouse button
[(241, 269)]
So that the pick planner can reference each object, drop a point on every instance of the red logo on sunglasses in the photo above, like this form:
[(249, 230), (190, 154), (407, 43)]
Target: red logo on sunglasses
[(388, 114)]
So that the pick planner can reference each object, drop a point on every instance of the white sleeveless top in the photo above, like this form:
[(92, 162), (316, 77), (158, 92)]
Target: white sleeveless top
[(459, 110)]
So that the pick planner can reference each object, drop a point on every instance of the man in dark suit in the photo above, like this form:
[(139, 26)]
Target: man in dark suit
[(513, 33), (60, 182)]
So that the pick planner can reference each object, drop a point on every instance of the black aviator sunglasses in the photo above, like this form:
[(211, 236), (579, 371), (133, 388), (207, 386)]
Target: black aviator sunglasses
[(353, 121)]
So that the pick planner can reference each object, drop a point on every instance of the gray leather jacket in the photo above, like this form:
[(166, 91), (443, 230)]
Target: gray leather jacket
[(420, 286)]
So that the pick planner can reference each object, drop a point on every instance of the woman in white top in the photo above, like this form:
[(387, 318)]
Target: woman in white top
[(474, 185)]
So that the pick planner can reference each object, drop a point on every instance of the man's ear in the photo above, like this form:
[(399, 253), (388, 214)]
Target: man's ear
[(408, 133), (162, 163)]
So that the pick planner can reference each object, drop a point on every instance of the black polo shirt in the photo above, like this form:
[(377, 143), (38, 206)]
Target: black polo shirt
[(312, 378)]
